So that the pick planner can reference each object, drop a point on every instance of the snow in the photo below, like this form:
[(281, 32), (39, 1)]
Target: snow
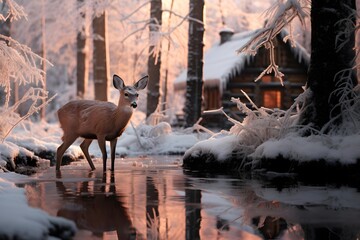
[(221, 61), (343, 148), (219, 147), (20, 221), (263, 134), (29, 139)]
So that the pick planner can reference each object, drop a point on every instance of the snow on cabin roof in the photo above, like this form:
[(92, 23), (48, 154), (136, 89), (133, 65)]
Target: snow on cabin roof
[(221, 61)]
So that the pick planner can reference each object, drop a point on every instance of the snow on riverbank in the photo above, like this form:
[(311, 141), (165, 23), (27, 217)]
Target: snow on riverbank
[(272, 134), (20, 221), (344, 149), (33, 140)]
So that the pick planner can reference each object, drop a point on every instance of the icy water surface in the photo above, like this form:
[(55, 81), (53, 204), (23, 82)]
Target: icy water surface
[(153, 198)]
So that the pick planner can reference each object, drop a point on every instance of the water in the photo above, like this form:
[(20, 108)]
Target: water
[(153, 198)]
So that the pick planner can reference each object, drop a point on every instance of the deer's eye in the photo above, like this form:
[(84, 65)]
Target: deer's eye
[(126, 94), (137, 95)]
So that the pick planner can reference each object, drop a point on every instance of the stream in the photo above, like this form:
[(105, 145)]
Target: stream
[(154, 198)]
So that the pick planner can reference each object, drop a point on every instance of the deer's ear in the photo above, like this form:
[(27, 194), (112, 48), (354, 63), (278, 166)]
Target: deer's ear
[(141, 84), (118, 82)]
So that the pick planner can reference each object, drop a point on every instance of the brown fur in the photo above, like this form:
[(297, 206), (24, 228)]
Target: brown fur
[(99, 120)]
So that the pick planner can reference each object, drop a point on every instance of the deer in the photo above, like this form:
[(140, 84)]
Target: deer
[(101, 120)]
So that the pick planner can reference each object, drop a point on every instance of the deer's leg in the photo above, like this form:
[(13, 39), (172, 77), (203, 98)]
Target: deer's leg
[(68, 140), (85, 148), (112, 147), (101, 141)]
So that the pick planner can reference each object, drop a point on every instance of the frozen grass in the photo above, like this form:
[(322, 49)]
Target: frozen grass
[(267, 133)]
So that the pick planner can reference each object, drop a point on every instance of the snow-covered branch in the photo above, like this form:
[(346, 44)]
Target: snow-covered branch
[(279, 15), (14, 12), (10, 119), (20, 65), (19, 62)]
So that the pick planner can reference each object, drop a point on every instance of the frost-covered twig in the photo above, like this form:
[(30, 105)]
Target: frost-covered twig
[(4, 169), (280, 15), (344, 36), (348, 103), (15, 11), (197, 127), (10, 119), (19, 64), (137, 135), (135, 11), (157, 116), (272, 66)]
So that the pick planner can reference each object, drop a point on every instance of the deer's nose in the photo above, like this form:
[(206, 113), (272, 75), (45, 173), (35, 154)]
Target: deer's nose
[(133, 104)]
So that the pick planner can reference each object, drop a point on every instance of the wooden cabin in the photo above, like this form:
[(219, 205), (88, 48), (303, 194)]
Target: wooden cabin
[(225, 73)]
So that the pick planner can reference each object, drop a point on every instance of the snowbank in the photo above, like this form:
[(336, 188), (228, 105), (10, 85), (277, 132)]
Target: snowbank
[(267, 136), (344, 149), (332, 149), (20, 221), (30, 143)]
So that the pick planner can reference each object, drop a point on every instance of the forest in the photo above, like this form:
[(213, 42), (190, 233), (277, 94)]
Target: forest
[(227, 86)]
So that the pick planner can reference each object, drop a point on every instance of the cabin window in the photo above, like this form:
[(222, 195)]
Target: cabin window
[(212, 98), (272, 98), (267, 79)]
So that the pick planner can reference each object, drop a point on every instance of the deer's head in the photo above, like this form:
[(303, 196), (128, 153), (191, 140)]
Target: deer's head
[(129, 94)]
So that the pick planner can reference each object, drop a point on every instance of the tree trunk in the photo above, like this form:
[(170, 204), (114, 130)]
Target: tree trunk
[(154, 61), (327, 59), (100, 57), (194, 81), (81, 58)]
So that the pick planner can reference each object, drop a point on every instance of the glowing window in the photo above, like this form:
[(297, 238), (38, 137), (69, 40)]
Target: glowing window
[(266, 79), (272, 99)]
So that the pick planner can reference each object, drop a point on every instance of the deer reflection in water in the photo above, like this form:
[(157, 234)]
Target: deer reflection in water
[(97, 207)]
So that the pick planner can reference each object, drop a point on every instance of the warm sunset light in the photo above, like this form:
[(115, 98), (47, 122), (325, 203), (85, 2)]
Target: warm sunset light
[(181, 120)]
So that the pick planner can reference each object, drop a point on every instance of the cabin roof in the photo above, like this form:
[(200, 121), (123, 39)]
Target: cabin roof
[(221, 62)]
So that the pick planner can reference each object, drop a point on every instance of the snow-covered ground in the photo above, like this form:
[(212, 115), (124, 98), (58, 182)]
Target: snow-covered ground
[(29, 139), (269, 134), (344, 149), (19, 221), (257, 136)]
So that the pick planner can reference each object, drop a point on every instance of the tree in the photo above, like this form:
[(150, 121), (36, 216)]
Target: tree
[(18, 65), (5, 29), (194, 80), (332, 60), (100, 57), (331, 78), (154, 60), (81, 57)]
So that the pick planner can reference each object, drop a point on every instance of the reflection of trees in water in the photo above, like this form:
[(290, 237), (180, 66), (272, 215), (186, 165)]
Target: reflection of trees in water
[(98, 208), (311, 220), (270, 227), (192, 212), (279, 211), (152, 210)]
